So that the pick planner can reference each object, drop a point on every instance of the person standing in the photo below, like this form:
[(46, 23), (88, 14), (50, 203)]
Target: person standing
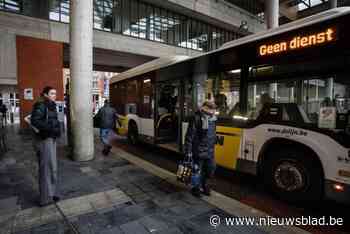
[(200, 143), (3, 110), (107, 117), (265, 104), (44, 119)]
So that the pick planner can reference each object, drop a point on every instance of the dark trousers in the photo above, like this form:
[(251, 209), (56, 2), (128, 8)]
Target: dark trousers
[(207, 168), (46, 152)]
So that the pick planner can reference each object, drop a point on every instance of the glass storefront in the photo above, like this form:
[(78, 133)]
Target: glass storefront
[(133, 18)]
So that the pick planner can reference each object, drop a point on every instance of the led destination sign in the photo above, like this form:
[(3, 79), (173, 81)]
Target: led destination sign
[(298, 42)]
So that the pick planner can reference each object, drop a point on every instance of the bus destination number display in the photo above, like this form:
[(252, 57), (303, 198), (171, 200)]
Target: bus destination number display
[(298, 42)]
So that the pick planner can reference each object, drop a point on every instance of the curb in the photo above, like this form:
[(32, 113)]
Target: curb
[(227, 204)]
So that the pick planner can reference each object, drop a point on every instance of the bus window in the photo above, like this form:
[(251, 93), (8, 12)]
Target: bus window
[(146, 108), (263, 93), (188, 99), (168, 99), (311, 96), (223, 89)]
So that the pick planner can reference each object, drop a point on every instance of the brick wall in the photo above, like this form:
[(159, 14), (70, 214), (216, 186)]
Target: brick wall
[(39, 64)]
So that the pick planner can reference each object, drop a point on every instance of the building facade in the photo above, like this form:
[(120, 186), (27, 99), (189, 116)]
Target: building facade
[(127, 33)]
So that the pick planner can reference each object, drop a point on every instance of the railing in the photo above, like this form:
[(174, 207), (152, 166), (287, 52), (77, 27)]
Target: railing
[(136, 19)]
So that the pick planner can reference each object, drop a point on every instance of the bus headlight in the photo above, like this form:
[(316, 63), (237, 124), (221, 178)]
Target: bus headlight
[(338, 187)]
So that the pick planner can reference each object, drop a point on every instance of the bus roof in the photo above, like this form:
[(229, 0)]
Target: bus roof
[(149, 66), (167, 61)]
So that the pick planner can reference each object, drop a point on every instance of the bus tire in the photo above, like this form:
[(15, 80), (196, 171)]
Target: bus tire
[(133, 134), (293, 175)]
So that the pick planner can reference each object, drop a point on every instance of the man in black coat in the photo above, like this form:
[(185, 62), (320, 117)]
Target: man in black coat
[(3, 111), (107, 117), (200, 143)]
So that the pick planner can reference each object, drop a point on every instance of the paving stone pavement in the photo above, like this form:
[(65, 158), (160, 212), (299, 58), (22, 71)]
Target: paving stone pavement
[(107, 195)]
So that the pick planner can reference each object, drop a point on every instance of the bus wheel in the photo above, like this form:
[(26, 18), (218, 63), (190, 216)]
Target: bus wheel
[(293, 176), (133, 134)]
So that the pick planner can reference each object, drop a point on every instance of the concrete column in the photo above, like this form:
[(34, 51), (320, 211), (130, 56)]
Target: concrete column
[(81, 32), (333, 3), (271, 13)]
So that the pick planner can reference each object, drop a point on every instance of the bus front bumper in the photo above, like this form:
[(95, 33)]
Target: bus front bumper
[(337, 191)]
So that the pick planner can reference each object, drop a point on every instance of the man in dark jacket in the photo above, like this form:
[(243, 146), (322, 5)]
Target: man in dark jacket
[(107, 116), (44, 119), (3, 110), (200, 143)]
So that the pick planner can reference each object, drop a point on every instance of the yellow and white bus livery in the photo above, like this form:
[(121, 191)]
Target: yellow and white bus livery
[(283, 100)]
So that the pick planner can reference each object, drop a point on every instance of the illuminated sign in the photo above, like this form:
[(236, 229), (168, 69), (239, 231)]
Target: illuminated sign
[(298, 42)]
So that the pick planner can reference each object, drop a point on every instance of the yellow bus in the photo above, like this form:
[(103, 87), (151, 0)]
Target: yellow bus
[(300, 146)]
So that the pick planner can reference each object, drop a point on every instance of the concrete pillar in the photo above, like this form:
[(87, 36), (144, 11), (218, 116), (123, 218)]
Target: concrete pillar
[(271, 13), (333, 3), (81, 32)]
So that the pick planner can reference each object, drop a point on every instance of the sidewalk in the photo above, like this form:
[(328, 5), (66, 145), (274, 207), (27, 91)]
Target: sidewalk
[(115, 194)]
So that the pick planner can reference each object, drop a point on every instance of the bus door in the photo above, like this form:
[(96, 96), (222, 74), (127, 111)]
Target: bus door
[(168, 106), (187, 102), (224, 89)]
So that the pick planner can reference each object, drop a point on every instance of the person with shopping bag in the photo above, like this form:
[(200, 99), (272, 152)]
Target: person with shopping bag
[(200, 144)]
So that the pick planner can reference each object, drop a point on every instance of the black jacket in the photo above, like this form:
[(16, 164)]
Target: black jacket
[(107, 117), (44, 118), (200, 142), (3, 109)]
